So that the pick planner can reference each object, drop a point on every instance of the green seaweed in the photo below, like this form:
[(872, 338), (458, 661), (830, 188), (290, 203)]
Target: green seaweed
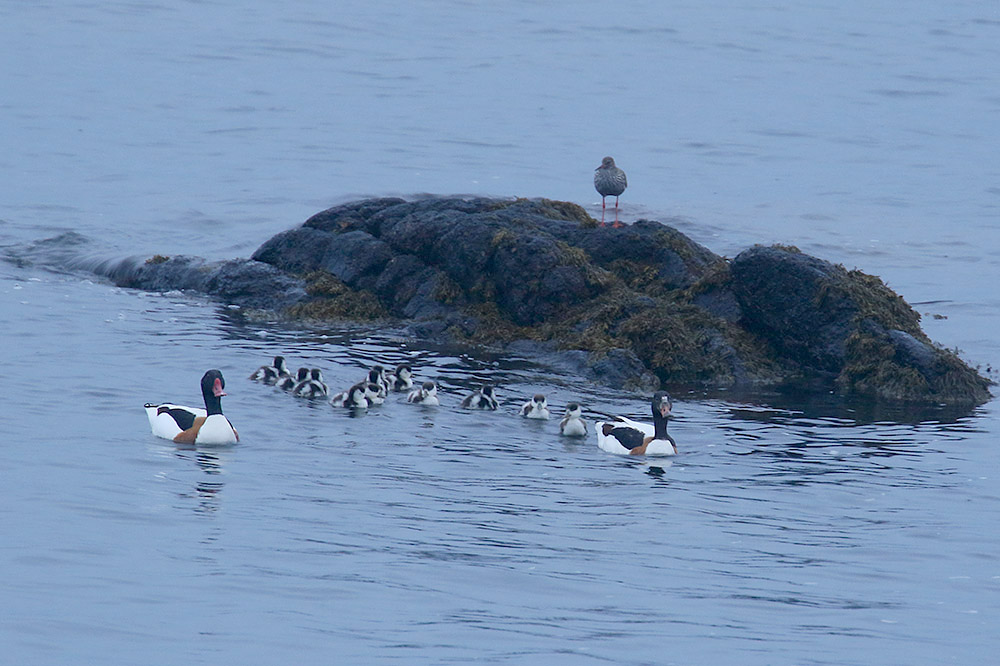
[(335, 301)]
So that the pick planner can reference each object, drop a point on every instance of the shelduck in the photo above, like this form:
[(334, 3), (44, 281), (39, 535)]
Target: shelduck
[(627, 437), (572, 423), (402, 378), (290, 382), (425, 395), (271, 374), (313, 387), (536, 408), (192, 425), (483, 398), (360, 396)]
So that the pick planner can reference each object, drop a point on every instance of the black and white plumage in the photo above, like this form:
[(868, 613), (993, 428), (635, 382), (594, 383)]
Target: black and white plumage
[(360, 396), (484, 398), (378, 377), (572, 423), (312, 387), (627, 437), (402, 378), (609, 181), (271, 374), (536, 408), (193, 425), (425, 395), (290, 382)]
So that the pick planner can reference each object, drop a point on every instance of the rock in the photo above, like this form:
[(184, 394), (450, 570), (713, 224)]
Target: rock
[(848, 325), (789, 299), (249, 284), (631, 308)]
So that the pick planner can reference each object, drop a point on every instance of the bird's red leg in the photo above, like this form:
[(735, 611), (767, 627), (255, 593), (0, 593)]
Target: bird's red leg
[(617, 224), (602, 211)]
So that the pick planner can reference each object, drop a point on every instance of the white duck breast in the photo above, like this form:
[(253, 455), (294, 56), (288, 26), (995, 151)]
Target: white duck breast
[(536, 408), (192, 425), (627, 437), (425, 395), (572, 423), (356, 397), (484, 398)]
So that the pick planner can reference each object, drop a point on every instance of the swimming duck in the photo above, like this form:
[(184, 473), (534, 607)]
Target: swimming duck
[(425, 395), (360, 396), (270, 374), (628, 437), (376, 375), (402, 378), (536, 408), (313, 387), (290, 382), (192, 425), (572, 424), (484, 398)]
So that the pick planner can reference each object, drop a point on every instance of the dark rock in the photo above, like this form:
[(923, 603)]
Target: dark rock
[(252, 284), (720, 302), (621, 368), (785, 297), (626, 307), (297, 251), (848, 325), (913, 352), (350, 216), (242, 282), (354, 255)]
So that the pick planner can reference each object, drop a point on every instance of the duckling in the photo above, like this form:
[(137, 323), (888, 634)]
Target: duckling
[(483, 398), (536, 408), (425, 395), (402, 378), (360, 396), (271, 374), (313, 387), (290, 382), (572, 423)]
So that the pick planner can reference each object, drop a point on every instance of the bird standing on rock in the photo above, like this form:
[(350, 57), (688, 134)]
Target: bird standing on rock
[(609, 181)]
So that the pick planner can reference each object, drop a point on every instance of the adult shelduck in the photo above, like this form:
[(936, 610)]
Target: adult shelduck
[(628, 437), (536, 408), (572, 423), (271, 374), (191, 425), (484, 398)]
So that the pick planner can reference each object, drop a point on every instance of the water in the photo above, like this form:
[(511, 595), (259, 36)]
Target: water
[(787, 531)]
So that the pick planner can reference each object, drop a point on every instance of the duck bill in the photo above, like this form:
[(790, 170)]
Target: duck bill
[(665, 409), (217, 389)]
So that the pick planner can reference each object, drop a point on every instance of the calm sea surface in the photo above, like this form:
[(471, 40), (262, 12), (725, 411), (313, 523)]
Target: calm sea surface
[(788, 531)]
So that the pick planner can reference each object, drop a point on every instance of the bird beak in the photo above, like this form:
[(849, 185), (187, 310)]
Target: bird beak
[(217, 389), (664, 408)]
